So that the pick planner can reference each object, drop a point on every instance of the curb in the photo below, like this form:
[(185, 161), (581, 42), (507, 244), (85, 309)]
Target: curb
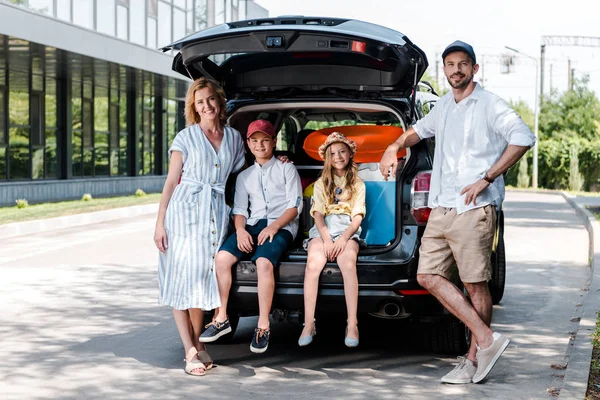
[(577, 374), (50, 224)]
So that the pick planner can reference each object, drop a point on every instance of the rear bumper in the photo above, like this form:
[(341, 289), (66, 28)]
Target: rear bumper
[(379, 285)]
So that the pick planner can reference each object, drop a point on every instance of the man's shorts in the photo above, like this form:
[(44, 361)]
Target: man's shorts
[(269, 250), (465, 239)]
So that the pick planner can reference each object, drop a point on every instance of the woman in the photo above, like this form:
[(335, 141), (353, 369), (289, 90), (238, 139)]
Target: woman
[(193, 217)]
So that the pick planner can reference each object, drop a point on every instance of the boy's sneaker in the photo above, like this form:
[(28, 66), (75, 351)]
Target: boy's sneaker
[(215, 330), (462, 373), (486, 358), (260, 340)]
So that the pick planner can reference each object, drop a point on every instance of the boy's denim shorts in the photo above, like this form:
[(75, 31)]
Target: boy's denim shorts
[(272, 251)]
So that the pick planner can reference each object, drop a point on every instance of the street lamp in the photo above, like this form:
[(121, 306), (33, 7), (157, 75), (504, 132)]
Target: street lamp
[(534, 180)]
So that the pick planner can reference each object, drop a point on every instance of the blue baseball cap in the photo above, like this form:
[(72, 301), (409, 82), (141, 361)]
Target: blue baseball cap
[(460, 46)]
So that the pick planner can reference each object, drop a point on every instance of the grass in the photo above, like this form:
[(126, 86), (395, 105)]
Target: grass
[(51, 210), (593, 390)]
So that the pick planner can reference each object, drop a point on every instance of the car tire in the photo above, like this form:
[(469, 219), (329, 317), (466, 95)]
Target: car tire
[(496, 284), (234, 320), (450, 336)]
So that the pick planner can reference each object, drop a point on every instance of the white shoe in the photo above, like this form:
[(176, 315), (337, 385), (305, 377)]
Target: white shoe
[(462, 373), (486, 358)]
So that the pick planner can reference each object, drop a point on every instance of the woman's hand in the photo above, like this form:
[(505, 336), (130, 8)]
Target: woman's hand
[(160, 238), (244, 241), (338, 247)]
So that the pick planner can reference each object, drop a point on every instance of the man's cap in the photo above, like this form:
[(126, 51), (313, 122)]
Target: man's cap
[(459, 45), (261, 125)]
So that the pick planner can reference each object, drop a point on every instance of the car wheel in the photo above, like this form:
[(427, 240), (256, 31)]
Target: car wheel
[(450, 336), (496, 284), (234, 320)]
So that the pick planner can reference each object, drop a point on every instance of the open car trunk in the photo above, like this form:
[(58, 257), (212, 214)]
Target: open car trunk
[(299, 55), (301, 121)]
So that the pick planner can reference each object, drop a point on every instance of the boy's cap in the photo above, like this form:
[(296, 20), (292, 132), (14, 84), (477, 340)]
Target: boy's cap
[(460, 46), (261, 125), (337, 137)]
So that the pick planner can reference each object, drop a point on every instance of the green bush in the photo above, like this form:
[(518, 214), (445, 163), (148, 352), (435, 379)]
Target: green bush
[(22, 203), (86, 197), (140, 193)]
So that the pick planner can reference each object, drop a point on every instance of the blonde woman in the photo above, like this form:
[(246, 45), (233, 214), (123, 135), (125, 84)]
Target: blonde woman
[(193, 217)]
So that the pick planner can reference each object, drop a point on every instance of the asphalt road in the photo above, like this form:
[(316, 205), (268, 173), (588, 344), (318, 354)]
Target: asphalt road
[(79, 319)]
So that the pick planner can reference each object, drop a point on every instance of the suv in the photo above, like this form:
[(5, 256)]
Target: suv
[(305, 74)]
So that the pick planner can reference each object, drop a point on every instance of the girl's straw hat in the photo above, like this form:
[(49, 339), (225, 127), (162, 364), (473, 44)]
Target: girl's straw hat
[(337, 137)]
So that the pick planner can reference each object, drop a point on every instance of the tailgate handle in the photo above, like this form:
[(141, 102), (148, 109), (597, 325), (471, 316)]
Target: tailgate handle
[(339, 44)]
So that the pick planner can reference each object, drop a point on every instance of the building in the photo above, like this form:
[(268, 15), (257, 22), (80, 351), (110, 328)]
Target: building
[(87, 102)]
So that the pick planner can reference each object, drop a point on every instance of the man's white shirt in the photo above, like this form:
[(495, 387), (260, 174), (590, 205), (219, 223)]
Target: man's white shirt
[(465, 152), (265, 192)]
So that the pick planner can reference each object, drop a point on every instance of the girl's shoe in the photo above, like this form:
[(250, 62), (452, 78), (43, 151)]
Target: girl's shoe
[(306, 340), (350, 342)]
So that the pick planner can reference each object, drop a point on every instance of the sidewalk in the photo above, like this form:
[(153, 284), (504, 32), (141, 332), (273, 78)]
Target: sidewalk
[(69, 221), (580, 355)]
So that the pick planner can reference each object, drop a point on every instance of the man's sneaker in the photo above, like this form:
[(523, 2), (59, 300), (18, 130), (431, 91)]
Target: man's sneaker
[(486, 358), (215, 330), (260, 340), (462, 373)]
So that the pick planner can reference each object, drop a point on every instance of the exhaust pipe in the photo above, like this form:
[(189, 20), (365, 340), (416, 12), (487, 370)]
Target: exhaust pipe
[(391, 310)]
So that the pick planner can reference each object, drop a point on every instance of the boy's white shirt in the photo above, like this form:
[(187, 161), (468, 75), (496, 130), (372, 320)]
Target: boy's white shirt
[(265, 192)]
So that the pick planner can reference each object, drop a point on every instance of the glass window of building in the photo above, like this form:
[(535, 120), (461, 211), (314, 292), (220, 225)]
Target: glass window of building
[(83, 13), (105, 17), (42, 6), (137, 21), (228, 14), (179, 3), (122, 22), (151, 37), (242, 10), (152, 8), (201, 15), (63, 9), (164, 24), (178, 23), (219, 12)]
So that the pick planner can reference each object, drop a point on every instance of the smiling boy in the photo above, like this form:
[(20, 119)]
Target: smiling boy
[(266, 207)]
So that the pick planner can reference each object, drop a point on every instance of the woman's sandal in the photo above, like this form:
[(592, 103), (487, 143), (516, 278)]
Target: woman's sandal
[(195, 365), (205, 358)]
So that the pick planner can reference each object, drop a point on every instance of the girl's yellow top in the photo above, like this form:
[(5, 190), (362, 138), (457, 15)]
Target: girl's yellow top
[(351, 206)]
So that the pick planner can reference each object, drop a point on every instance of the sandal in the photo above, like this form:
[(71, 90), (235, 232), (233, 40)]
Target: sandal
[(191, 365), (205, 358)]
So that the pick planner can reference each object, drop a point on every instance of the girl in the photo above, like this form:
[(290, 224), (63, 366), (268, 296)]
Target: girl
[(338, 209)]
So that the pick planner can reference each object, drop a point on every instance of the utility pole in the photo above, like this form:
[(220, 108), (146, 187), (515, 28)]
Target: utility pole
[(534, 177), (482, 71), (551, 65), (437, 70), (542, 55), (569, 80), (572, 78)]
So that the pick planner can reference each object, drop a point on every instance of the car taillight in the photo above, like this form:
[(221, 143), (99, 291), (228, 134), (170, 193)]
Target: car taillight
[(420, 197)]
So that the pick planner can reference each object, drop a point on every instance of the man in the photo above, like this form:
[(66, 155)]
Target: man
[(478, 137), (266, 207)]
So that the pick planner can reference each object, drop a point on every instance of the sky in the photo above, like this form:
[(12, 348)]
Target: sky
[(489, 26)]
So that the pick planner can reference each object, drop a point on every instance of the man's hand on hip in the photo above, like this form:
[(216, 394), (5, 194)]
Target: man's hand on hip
[(473, 190)]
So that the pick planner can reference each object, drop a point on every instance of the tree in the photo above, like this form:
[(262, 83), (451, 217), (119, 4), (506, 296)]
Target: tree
[(576, 110)]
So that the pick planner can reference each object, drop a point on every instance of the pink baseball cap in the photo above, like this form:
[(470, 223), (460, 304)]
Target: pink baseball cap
[(261, 125)]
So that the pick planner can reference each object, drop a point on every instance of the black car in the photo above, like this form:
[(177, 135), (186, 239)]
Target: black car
[(304, 74)]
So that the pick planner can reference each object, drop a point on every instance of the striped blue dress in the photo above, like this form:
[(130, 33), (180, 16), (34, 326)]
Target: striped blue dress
[(197, 218)]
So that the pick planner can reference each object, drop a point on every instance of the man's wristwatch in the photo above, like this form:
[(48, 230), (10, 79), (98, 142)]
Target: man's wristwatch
[(487, 178)]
